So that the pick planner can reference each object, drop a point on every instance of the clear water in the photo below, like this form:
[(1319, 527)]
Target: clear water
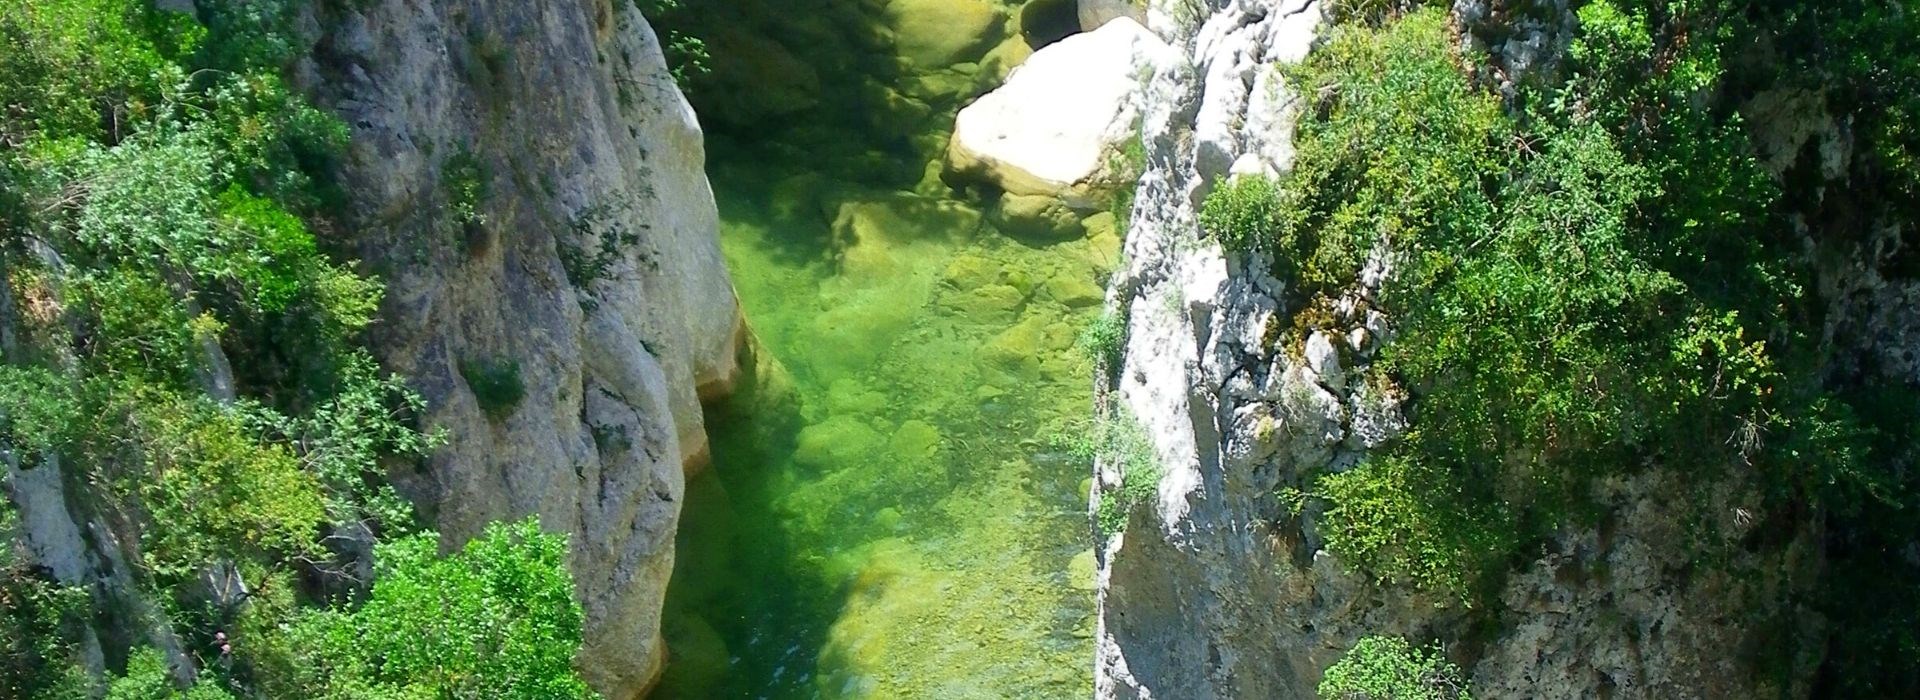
[(890, 520)]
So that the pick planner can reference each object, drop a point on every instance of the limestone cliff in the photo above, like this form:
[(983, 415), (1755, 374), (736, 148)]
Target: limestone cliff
[(529, 181), (1217, 589)]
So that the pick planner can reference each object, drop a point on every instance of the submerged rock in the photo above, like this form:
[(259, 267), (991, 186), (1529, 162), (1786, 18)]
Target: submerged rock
[(838, 441), (1035, 216), (871, 232), (1054, 127), (933, 34)]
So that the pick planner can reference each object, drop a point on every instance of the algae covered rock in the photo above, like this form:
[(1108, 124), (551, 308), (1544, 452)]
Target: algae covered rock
[(872, 232), (834, 442), (1074, 291), (1055, 126), (752, 78), (1036, 217), (932, 34)]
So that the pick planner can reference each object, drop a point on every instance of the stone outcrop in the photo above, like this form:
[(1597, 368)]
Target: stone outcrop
[(1054, 128), (1219, 589), (586, 270)]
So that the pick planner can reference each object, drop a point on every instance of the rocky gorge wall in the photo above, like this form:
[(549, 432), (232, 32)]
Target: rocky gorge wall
[(1218, 589), (530, 183)]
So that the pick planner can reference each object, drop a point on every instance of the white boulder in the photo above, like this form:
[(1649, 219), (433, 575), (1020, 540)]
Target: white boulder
[(1055, 126)]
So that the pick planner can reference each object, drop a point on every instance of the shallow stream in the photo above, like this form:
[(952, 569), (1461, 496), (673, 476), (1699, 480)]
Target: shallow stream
[(889, 516)]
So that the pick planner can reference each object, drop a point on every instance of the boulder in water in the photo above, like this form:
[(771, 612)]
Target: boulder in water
[(1056, 127)]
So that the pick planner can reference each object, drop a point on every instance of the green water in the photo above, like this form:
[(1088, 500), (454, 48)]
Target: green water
[(890, 520)]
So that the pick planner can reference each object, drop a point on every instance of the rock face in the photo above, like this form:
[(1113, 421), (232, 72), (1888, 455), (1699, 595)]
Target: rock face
[(586, 269), (1216, 589), (1054, 127)]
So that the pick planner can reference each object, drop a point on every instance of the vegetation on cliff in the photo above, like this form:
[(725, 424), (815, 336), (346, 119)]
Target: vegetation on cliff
[(1595, 275), (184, 350)]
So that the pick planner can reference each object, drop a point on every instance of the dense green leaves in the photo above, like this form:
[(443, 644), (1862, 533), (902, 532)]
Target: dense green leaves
[(184, 350), (495, 620), (1387, 668), (1596, 277)]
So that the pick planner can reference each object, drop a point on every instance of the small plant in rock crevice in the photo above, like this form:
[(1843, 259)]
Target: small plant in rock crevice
[(496, 385)]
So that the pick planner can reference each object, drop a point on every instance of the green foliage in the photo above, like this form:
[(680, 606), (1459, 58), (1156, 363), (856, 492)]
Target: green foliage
[(1445, 538), (1398, 149), (147, 679), (159, 182), (1104, 341), (1387, 668), (495, 620), (467, 182), (1598, 279), (77, 67), (686, 54), (1119, 442), (495, 384), (599, 239), (213, 486), (1244, 214), (1123, 169)]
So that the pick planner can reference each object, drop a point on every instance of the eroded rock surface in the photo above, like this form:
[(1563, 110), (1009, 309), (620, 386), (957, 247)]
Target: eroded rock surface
[(1218, 589), (586, 267)]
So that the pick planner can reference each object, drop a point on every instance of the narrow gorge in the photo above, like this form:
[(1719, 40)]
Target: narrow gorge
[(1349, 349)]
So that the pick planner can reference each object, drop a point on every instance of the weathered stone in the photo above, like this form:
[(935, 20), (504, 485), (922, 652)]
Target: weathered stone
[(1036, 217), (871, 232), (584, 116), (1054, 127), (838, 441)]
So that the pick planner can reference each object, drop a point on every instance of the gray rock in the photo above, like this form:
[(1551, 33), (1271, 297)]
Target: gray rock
[(570, 108)]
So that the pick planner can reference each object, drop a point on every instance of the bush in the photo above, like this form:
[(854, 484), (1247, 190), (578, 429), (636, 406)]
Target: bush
[(1104, 341), (494, 620), (1119, 441), (1243, 214), (1387, 668), (1586, 284), (495, 384)]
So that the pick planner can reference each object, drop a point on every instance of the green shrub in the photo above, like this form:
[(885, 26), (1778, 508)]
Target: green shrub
[(1585, 284), (1243, 214), (1104, 341), (494, 620), (1119, 441), (495, 384), (1387, 668), (147, 678)]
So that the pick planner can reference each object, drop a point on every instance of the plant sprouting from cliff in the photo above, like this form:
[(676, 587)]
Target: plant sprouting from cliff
[(1104, 341), (467, 182), (1122, 446), (495, 383), (1388, 668)]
